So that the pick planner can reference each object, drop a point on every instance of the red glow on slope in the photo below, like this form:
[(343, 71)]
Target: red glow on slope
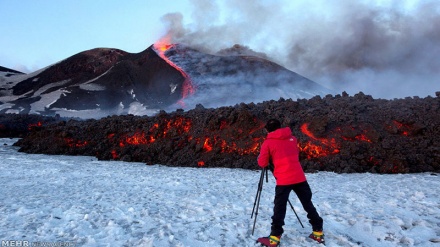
[(223, 124), (250, 148), (373, 161), (315, 151), (318, 147), (155, 126), (225, 142), (161, 47), (179, 125), (31, 126), (114, 154), (305, 130), (362, 137), (163, 44), (207, 146), (75, 143), (359, 137), (403, 128), (137, 139)]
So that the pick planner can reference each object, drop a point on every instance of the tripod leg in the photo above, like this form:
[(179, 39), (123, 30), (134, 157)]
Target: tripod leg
[(267, 177), (256, 214), (260, 185), (295, 213), (260, 188)]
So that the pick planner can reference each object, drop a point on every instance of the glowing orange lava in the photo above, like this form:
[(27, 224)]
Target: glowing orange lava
[(179, 125), (207, 146), (326, 147), (225, 147), (359, 137), (161, 47), (139, 138), (316, 151), (362, 137)]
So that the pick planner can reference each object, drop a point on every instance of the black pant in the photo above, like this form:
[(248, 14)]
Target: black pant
[(304, 194)]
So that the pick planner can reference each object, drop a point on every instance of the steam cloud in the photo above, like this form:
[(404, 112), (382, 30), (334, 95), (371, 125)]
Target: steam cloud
[(389, 49)]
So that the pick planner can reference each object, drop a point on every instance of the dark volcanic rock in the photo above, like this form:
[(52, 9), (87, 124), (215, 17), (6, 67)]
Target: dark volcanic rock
[(100, 79), (13, 125), (335, 133)]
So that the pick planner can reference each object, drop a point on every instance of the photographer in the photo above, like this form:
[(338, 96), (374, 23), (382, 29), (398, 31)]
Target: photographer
[(281, 149)]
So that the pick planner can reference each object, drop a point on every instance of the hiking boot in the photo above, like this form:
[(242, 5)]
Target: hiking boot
[(318, 236), (270, 241)]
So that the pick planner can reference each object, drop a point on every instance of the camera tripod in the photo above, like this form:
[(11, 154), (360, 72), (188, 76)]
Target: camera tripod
[(257, 199)]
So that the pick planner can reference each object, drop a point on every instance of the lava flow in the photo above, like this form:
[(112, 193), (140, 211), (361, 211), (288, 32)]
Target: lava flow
[(75, 143), (31, 126), (404, 129), (358, 137), (312, 150), (357, 134), (161, 47), (178, 125)]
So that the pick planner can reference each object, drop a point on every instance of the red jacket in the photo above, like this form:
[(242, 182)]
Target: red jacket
[(281, 148)]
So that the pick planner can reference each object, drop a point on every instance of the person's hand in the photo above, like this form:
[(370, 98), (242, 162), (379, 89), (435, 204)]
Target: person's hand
[(271, 167)]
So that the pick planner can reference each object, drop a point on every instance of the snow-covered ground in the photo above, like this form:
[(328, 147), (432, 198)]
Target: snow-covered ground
[(66, 200)]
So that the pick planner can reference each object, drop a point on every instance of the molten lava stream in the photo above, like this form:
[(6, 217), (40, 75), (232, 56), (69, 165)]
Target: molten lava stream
[(187, 87), (313, 150)]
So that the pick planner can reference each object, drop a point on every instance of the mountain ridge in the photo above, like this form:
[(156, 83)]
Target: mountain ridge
[(105, 81)]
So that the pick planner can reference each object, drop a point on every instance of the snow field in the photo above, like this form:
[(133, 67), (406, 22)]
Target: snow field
[(110, 203)]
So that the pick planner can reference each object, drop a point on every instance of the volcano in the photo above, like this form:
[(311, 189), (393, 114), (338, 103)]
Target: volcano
[(103, 81), (94, 83)]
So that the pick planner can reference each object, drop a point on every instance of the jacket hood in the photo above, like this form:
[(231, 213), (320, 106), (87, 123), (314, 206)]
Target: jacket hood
[(283, 133)]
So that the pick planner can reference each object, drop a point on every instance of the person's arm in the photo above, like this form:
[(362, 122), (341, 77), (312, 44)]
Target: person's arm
[(263, 158)]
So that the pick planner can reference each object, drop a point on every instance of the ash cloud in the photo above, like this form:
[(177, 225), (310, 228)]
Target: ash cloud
[(388, 49)]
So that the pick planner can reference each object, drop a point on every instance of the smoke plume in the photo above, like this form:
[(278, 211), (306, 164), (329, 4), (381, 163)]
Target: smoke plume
[(388, 49)]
